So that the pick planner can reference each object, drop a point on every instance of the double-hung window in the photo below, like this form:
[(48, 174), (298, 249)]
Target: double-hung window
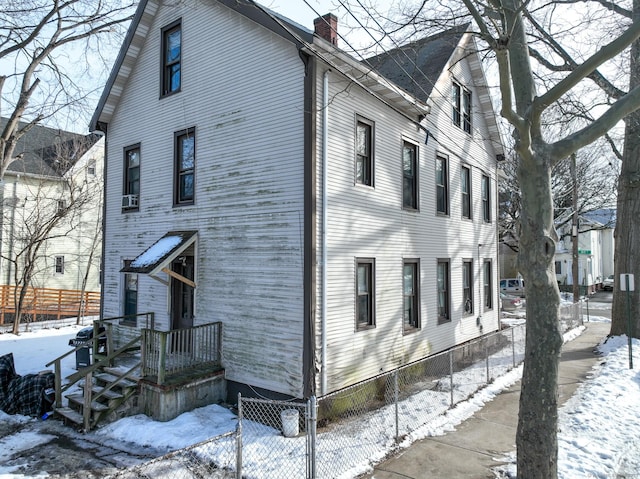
[(409, 175), (59, 265), (185, 167), (461, 108), (486, 199), (442, 185), (465, 188), (131, 188), (467, 287), (488, 284), (364, 152), (411, 296), (443, 291), (171, 80), (365, 293)]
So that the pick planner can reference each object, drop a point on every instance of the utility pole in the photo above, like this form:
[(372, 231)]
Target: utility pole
[(574, 232)]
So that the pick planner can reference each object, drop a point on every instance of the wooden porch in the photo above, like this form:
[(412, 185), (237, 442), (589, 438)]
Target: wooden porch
[(141, 369)]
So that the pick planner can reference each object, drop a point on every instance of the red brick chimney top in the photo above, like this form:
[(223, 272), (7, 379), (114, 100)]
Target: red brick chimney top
[(326, 27)]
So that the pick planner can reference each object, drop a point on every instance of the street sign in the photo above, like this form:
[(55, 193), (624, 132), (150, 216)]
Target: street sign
[(626, 280), (584, 251)]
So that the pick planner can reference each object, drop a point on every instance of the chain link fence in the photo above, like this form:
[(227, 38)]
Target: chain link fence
[(346, 432)]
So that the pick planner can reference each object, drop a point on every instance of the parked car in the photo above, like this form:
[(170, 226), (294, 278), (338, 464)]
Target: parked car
[(512, 286), (510, 303), (607, 284)]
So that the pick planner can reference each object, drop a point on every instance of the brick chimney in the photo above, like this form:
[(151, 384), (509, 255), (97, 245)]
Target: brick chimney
[(326, 27)]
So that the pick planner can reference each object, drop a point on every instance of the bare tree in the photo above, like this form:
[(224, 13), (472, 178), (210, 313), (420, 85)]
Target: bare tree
[(46, 208), (596, 178), (38, 38), (506, 28)]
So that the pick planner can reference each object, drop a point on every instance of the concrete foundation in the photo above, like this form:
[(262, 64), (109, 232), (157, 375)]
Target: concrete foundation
[(167, 401)]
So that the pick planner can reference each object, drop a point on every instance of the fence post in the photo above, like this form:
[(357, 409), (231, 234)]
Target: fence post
[(486, 355), (396, 396), (451, 374), (513, 347), (239, 440), (312, 415)]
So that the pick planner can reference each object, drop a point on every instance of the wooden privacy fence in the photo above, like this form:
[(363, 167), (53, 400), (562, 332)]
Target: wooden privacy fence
[(48, 303)]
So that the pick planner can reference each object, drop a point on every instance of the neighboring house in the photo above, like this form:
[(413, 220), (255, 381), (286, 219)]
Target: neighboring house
[(595, 250), (339, 220), (52, 194)]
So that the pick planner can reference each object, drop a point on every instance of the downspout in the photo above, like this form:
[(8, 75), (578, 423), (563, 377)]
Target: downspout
[(323, 300)]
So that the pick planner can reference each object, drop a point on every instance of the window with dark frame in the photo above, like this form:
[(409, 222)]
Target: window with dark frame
[(486, 199), (409, 175), (171, 58), (467, 287), (442, 185), (488, 284), (59, 265), (185, 163), (558, 267), (443, 291), (411, 294), (365, 291), (461, 107), (91, 167), (465, 188), (364, 152), (130, 306), (62, 206), (131, 188)]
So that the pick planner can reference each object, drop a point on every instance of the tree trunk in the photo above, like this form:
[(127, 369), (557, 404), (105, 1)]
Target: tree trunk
[(627, 232), (536, 439)]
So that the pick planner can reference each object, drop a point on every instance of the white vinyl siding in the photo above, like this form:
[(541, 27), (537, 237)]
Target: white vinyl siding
[(372, 223), (249, 189)]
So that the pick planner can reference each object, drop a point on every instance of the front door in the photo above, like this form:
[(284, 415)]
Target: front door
[(182, 294)]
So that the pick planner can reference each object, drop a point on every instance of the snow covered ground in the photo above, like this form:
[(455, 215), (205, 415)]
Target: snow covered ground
[(599, 427)]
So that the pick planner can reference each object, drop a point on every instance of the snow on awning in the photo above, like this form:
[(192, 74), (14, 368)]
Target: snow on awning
[(160, 254)]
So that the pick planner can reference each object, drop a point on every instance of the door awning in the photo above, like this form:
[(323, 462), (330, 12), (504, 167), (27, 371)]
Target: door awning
[(159, 255)]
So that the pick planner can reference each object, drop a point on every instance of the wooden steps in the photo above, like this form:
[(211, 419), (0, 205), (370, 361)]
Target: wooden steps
[(110, 389)]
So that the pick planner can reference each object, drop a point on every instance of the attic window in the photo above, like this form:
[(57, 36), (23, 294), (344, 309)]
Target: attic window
[(461, 107), (171, 58)]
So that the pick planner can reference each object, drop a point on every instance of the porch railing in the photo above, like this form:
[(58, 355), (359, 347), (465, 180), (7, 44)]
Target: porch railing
[(168, 353)]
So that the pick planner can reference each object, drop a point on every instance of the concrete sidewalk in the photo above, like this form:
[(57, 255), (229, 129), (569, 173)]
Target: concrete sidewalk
[(476, 445)]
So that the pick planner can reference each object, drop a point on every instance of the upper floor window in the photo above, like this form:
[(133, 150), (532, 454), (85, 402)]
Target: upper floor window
[(171, 58), (442, 185), (364, 152), (461, 107), (365, 291), (467, 286), (411, 298), (185, 165), (486, 199), (131, 188), (465, 188), (409, 175), (59, 265), (91, 167), (443, 291)]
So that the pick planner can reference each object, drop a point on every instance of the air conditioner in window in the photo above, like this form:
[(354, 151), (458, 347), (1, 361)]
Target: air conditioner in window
[(129, 201)]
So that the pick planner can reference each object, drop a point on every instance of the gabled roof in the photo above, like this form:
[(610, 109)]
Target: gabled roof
[(605, 217), (137, 34), (416, 66), (48, 151)]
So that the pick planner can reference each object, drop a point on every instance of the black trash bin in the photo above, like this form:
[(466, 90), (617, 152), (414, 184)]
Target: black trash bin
[(83, 338)]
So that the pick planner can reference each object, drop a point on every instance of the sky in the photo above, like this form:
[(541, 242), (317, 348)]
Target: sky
[(599, 426)]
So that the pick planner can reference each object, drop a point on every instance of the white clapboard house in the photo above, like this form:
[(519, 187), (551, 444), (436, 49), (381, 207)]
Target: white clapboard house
[(50, 221), (335, 217)]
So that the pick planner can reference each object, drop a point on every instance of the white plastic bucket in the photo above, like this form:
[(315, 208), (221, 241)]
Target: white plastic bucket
[(289, 418)]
